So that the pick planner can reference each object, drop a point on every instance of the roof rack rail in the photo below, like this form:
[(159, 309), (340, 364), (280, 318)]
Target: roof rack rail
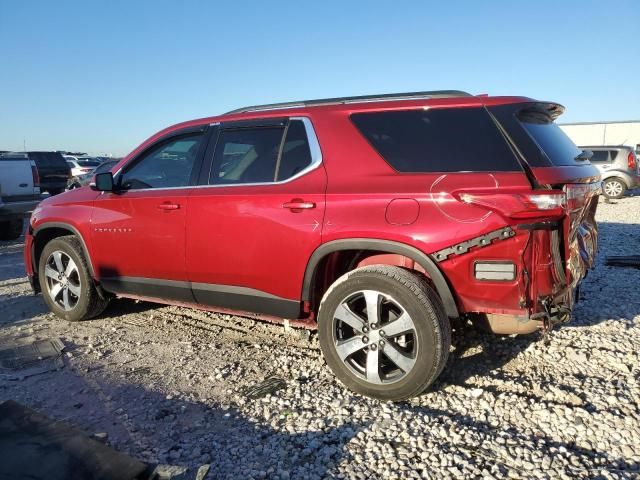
[(358, 99)]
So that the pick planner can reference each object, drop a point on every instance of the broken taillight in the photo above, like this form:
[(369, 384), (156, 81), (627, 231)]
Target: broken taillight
[(547, 203)]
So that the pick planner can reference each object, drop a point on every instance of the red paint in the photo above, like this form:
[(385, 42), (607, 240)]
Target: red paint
[(262, 237)]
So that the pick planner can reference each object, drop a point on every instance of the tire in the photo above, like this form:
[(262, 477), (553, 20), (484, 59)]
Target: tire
[(11, 229), (613, 188), (424, 350), (82, 300)]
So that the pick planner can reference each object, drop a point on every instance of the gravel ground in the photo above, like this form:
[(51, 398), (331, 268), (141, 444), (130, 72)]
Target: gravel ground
[(167, 385)]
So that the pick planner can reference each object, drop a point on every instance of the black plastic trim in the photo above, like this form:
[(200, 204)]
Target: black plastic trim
[(66, 226), (546, 225), (255, 123), (387, 246), (223, 296), (246, 299), (149, 287)]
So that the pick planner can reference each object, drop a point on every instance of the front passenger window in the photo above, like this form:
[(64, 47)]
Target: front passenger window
[(168, 165)]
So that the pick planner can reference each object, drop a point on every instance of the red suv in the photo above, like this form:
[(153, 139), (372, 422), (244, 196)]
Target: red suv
[(376, 220)]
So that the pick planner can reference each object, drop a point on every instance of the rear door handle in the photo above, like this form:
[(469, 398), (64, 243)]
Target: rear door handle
[(168, 206), (297, 204)]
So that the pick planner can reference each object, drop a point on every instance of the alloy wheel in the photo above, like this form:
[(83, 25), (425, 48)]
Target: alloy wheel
[(63, 280), (375, 337), (613, 189)]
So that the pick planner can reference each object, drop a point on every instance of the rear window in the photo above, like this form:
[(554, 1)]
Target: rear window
[(600, 156), (556, 145), (88, 163), (48, 159), (438, 140)]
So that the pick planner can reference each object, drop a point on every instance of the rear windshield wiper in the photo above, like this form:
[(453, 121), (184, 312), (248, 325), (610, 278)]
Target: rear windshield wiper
[(584, 155)]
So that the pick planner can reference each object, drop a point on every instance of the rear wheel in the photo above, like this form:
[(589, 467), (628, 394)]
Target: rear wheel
[(384, 332), (11, 229), (67, 286), (613, 188)]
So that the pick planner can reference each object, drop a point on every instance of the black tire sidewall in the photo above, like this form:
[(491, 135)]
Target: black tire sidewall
[(81, 309), (425, 322)]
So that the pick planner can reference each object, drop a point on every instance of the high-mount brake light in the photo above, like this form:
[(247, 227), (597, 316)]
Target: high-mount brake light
[(549, 203)]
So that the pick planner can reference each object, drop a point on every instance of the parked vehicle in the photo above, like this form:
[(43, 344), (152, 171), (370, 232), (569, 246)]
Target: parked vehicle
[(19, 192), (85, 178), (81, 165), (619, 168), (376, 219), (53, 170)]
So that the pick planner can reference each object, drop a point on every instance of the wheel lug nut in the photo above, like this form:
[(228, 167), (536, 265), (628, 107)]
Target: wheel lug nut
[(365, 330), (373, 347), (381, 343), (365, 339), (373, 325), (382, 333)]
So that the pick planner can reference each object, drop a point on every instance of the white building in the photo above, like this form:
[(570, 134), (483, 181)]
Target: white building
[(604, 133)]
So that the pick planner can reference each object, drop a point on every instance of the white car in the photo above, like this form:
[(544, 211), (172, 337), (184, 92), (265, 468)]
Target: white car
[(81, 165)]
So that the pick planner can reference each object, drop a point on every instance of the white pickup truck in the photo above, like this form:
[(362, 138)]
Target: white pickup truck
[(19, 192)]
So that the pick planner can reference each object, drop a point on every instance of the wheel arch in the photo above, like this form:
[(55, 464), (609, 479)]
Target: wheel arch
[(46, 232), (385, 247)]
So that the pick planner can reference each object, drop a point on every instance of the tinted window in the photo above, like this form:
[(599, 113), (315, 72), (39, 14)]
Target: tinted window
[(167, 165), (48, 159), (246, 155), (88, 163), (296, 154), (439, 140), (550, 138), (600, 156), (104, 167), (614, 154)]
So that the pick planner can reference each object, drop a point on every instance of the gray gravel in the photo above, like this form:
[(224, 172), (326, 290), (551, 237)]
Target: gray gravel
[(165, 384)]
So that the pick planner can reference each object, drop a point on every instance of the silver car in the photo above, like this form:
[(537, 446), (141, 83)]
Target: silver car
[(619, 167)]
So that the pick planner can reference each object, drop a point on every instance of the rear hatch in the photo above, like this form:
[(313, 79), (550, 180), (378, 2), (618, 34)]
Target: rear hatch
[(553, 162), (52, 167)]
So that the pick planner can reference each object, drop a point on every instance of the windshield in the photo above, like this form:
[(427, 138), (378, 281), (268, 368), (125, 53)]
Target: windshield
[(88, 163)]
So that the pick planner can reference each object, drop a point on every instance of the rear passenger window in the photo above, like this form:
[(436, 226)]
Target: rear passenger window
[(600, 156), (246, 155), (296, 155), (259, 155), (438, 140)]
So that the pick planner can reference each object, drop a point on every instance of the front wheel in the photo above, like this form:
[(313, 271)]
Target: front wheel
[(613, 188), (67, 286), (384, 332)]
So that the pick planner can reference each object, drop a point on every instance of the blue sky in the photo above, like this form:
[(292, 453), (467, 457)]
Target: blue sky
[(102, 76)]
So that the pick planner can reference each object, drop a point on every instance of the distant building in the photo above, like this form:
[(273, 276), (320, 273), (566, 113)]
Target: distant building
[(604, 133)]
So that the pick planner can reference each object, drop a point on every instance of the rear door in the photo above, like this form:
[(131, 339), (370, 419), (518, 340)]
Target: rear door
[(258, 217), (138, 231)]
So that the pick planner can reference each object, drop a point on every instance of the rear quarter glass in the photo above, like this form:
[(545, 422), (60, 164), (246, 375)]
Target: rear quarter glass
[(438, 140), (531, 127)]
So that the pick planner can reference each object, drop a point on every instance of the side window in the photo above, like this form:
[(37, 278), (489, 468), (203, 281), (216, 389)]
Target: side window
[(614, 154), (246, 155), (296, 154), (437, 140), (600, 156), (167, 165)]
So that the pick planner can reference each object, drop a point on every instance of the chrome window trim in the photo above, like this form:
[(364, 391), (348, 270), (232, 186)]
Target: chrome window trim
[(316, 161)]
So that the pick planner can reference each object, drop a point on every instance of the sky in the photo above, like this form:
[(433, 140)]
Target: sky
[(102, 76)]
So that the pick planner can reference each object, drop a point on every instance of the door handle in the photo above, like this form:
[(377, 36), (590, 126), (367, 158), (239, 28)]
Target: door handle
[(168, 206), (297, 204)]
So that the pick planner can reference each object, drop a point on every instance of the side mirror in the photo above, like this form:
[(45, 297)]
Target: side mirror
[(103, 182)]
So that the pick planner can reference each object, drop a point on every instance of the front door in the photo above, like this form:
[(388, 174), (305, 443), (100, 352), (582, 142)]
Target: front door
[(138, 231), (251, 231)]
